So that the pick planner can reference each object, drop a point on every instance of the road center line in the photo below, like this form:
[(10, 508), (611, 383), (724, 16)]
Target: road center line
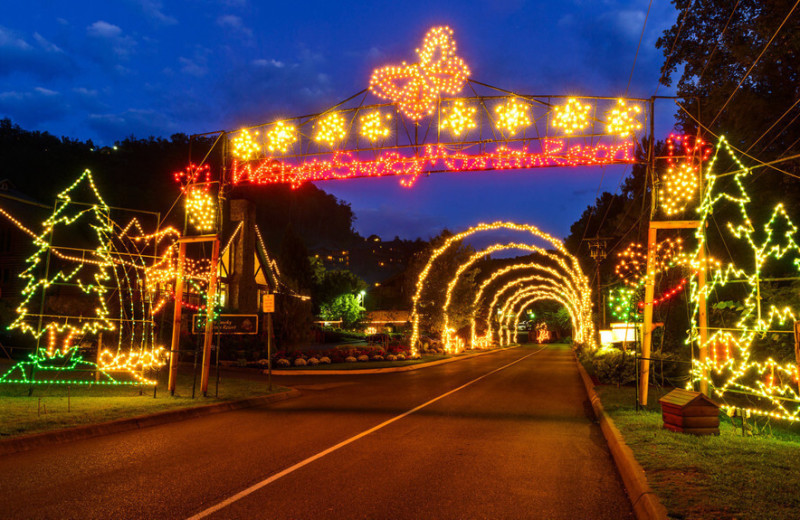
[(255, 487)]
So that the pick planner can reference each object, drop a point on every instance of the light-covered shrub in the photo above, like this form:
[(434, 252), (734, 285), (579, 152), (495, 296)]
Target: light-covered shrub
[(283, 362), (313, 361), (300, 362), (350, 359), (325, 360), (363, 357)]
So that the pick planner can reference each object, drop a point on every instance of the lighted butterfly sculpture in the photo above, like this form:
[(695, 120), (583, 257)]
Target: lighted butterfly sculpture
[(415, 87)]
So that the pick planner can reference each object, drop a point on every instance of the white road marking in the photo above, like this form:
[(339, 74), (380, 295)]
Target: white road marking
[(255, 487)]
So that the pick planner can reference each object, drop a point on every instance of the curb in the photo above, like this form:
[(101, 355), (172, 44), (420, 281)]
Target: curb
[(646, 505), (388, 370), (28, 442)]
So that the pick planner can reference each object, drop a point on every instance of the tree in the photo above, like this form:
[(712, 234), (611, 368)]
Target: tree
[(714, 43)]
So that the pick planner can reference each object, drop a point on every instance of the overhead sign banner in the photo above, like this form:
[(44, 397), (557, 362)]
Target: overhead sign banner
[(228, 324)]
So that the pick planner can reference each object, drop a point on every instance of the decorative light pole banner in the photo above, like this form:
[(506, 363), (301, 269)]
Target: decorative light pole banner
[(420, 131)]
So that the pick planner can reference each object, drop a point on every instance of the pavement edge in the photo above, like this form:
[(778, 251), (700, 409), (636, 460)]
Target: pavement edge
[(646, 505), (28, 442), (386, 370)]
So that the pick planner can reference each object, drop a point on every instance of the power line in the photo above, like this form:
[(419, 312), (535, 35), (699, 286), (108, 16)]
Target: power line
[(664, 69), (754, 63), (716, 43), (635, 56)]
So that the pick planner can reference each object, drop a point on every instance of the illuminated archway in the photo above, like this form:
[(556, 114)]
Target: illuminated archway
[(526, 302), (538, 291), (574, 270), (493, 249), (567, 287)]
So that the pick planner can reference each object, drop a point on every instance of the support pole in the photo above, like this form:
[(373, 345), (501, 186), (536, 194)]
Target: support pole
[(702, 315), (647, 332), (209, 335), (176, 322)]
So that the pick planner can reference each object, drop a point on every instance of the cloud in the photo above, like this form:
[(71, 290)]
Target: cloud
[(269, 63), (153, 10), (193, 68), (120, 45), (30, 108), (234, 24), (138, 122), (39, 58), (101, 29)]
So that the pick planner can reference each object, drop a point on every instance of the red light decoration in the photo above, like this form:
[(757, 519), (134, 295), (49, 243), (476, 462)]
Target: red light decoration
[(346, 165), (667, 295)]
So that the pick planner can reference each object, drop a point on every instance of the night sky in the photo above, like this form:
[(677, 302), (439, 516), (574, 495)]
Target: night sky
[(108, 70)]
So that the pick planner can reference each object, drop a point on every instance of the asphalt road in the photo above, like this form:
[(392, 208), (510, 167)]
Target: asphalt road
[(505, 435)]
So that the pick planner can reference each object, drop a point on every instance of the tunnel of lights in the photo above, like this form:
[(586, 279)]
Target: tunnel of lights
[(560, 278)]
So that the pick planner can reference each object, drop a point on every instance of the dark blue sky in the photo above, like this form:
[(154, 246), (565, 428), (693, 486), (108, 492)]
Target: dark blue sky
[(108, 70)]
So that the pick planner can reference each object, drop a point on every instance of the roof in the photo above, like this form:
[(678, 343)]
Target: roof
[(683, 398)]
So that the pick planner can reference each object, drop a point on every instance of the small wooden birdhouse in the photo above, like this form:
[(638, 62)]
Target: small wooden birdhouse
[(690, 412)]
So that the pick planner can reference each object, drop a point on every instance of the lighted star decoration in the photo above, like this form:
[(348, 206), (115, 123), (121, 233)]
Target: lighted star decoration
[(681, 181), (415, 87), (281, 137), (622, 119), (512, 115), (372, 126), (459, 118), (572, 116), (201, 208), (244, 145), (330, 129)]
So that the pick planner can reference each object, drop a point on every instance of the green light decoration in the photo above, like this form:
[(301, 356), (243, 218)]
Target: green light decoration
[(622, 301), (108, 270), (730, 367)]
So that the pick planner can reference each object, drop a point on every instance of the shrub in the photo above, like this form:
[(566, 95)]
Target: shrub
[(363, 357), (401, 357), (283, 362), (325, 360), (615, 367), (349, 359), (299, 362), (377, 357), (391, 357), (263, 362), (313, 361)]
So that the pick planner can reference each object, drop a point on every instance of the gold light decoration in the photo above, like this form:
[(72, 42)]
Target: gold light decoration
[(244, 145), (330, 129), (459, 118), (201, 208), (281, 137), (572, 116), (512, 116), (682, 180), (415, 87), (372, 127), (622, 119)]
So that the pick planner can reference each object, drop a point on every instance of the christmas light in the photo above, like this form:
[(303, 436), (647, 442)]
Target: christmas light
[(732, 367), (459, 118), (681, 181), (480, 228), (622, 121), (346, 165), (372, 127), (280, 137), (532, 293), (114, 269), (244, 146), (512, 116), (416, 87), (330, 129), (543, 334), (201, 208), (572, 116)]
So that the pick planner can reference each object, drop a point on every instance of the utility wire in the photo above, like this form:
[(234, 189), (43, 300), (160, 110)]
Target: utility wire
[(778, 30), (672, 48), (716, 43), (641, 37)]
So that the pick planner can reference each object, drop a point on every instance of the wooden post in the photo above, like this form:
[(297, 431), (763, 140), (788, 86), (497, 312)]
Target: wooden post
[(212, 295), (176, 322), (99, 351), (647, 332), (702, 316), (269, 350)]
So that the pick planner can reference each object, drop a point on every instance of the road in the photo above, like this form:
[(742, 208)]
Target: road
[(504, 435)]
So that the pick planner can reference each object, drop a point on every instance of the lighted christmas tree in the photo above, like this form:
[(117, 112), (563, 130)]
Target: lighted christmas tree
[(59, 321), (731, 367)]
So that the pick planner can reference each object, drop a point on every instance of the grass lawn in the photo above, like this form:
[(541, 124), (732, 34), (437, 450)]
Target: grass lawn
[(712, 477), (47, 410)]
